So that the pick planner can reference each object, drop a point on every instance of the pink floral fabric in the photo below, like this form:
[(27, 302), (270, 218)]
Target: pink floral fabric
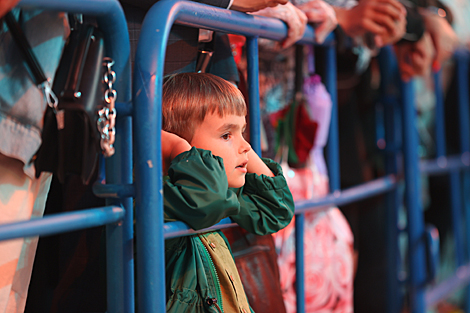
[(328, 248)]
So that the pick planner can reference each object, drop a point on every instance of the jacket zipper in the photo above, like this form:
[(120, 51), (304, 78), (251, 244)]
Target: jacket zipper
[(214, 274)]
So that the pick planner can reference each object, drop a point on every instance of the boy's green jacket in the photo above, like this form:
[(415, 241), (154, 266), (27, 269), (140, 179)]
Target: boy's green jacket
[(197, 193)]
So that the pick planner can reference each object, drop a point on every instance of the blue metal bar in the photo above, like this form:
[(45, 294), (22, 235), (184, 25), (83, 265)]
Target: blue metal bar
[(456, 210), (60, 223), (416, 247), (114, 191), (148, 73), (391, 122), (367, 190), (179, 229), (112, 22), (333, 139), (353, 194), (462, 67), (253, 89), (120, 238), (464, 102), (460, 279), (445, 165), (123, 109), (439, 116), (455, 186), (299, 262)]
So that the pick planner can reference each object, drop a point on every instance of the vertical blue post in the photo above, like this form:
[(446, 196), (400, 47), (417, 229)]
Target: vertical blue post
[(417, 261), (299, 262), (147, 125), (333, 139), (454, 176), (439, 116), (388, 70), (253, 89), (119, 238), (462, 68)]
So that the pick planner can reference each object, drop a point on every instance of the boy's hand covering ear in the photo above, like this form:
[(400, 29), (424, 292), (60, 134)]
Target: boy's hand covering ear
[(172, 145)]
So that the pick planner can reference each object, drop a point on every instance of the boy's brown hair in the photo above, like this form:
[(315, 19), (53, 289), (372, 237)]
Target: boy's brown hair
[(188, 97)]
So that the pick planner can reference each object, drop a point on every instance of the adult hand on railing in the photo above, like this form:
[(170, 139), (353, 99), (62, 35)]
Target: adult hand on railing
[(254, 5), (6, 6), (383, 18), (323, 15), (172, 145), (295, 19), (415, 58)]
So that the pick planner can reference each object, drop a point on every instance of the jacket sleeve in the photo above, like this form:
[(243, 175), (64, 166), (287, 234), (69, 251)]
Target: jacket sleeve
[(266, 203), (196, 191)]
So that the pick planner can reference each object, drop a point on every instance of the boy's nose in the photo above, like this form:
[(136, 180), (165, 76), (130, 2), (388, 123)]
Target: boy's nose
[(245, 146)]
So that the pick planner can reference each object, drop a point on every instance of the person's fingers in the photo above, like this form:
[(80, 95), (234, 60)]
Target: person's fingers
[(276, 2), (396, 5), (390, 10), (322, 31), (387, 22), (370, 26), (315, 15), (296, 27)]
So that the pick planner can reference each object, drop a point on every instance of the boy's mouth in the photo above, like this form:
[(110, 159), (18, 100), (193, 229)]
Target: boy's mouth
[(242, 165)]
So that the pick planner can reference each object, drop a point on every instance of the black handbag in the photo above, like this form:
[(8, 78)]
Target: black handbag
[(79, 122)]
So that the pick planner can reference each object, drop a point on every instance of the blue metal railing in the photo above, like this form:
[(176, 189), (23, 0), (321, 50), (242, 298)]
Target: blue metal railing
[(398, 130), (148, 74), (118, 214)]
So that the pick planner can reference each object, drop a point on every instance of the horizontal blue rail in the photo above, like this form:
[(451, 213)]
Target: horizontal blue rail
[(114, 191), (62, 222), (367, 190), (458, 280), (444, 165)]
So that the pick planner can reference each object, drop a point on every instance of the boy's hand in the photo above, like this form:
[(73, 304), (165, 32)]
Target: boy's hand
[(172, 145), (256, 165)]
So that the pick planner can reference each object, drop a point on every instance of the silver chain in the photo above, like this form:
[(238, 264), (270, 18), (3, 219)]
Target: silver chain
[(107, 115)]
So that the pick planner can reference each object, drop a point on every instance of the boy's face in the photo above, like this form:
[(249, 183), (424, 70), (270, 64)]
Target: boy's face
[(224, 137)]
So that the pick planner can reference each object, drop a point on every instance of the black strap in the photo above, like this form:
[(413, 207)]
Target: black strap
[(20, 39)]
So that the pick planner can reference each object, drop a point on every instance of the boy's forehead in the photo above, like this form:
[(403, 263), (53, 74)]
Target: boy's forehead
[(227, 121)]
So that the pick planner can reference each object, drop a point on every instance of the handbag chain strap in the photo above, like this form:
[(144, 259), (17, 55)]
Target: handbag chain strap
[(107, 115)]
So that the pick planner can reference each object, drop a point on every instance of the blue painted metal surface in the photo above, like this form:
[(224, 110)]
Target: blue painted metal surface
[(63, 222), (148, 74), (454, 176), (389, 142), (444, 164), (112, 22), (299, 262), (416, 247), (114, 191), (462, 68), (253, 90), (332, 147)]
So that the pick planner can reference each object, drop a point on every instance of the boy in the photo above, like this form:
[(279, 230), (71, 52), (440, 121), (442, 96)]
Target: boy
[(219, 176)]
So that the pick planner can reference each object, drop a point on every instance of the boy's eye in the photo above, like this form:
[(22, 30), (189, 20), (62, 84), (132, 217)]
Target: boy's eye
[(225, 136)]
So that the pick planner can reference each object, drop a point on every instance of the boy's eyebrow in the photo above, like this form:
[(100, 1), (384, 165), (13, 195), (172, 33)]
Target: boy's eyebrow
[(230, 126)]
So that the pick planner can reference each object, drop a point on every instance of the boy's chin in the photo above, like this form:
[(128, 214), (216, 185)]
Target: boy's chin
[(237, 184)]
